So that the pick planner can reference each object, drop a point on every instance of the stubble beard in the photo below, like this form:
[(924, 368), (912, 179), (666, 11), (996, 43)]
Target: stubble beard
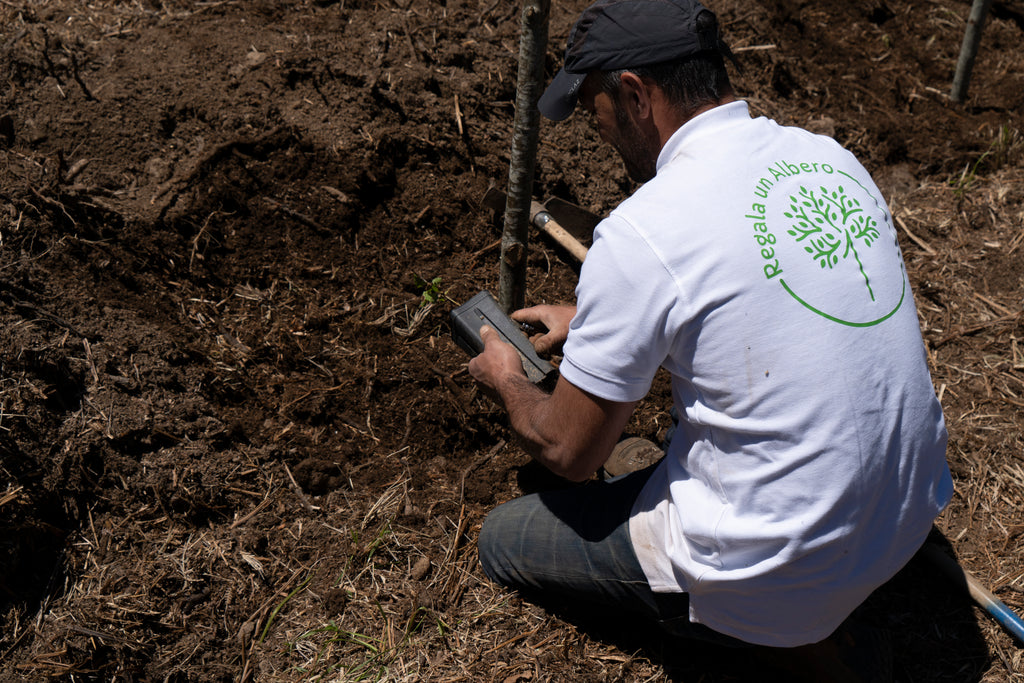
[(639, 154)]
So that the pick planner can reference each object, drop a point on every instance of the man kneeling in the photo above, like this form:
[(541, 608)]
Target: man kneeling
[(759, 266)]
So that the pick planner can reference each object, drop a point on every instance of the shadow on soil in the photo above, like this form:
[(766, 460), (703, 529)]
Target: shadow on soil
[(924, 622)]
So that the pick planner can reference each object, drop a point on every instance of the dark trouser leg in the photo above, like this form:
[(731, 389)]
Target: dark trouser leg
[(571, 549)]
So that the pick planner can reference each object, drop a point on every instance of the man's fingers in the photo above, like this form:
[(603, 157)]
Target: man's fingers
[(532, 315), (541, 342), (489, 336), (497, 359)]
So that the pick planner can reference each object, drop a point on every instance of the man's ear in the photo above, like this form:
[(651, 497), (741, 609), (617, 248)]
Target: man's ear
[(635, 95)]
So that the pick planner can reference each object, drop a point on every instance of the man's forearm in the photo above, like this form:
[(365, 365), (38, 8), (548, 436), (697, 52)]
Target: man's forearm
[(570, 431), (525, 404)]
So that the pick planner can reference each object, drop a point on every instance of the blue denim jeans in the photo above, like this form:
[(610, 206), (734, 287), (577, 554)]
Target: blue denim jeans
[(570, 549)]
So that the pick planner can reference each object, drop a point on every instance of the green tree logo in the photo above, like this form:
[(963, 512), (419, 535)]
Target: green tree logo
[(831, 224)]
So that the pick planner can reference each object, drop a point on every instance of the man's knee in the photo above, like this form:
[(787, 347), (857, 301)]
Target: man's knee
[(496, 536), (487, 545)]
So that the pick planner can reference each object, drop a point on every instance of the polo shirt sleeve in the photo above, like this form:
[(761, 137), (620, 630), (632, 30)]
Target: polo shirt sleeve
[(624, 325)]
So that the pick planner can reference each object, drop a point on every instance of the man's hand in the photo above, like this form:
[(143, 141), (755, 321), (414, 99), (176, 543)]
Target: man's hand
[(569, 431), (498, 361), (554, 319)]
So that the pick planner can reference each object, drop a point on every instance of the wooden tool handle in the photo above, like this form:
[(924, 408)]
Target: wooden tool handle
[(982, 596), (543, 220)]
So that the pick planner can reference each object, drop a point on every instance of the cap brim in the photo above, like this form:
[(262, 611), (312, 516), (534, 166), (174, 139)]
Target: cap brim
[(560, 98)]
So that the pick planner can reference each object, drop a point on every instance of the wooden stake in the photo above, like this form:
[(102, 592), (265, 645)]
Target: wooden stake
[(514, 240), (969, 49)]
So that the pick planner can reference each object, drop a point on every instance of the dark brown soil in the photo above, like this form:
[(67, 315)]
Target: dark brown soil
[(236, 441)]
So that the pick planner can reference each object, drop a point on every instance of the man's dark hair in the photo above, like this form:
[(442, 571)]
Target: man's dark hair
[(690, 82)]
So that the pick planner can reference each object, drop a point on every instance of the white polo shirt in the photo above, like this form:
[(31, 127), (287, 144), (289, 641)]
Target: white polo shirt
[(760, 267)]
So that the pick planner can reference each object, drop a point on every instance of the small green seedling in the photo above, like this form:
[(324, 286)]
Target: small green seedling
[(1004, 150), (431, 290)]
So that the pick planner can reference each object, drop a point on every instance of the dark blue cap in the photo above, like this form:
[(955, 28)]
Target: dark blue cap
[(624, 34)]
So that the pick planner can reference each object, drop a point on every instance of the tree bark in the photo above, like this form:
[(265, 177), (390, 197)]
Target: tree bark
[(515, 237), (969, 49)]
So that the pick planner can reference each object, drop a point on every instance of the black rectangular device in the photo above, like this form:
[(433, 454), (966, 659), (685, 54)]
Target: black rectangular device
[(482, 310)]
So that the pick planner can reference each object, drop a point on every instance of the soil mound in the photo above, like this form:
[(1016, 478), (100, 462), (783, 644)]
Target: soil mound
[(236, 441)]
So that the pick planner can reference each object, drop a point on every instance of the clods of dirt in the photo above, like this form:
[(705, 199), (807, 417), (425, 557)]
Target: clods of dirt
[(236, 441)]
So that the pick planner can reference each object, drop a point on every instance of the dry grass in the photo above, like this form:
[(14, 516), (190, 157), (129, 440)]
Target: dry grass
[(371, 582), (973, 328)]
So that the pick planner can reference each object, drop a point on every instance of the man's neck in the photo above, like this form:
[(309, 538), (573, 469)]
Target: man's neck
[(668, 118)]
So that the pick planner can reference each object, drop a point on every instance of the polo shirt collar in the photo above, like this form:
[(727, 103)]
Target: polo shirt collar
[(700, 125)]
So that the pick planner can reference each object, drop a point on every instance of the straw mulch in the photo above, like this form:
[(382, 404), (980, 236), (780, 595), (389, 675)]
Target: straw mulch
[(236, 441)]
